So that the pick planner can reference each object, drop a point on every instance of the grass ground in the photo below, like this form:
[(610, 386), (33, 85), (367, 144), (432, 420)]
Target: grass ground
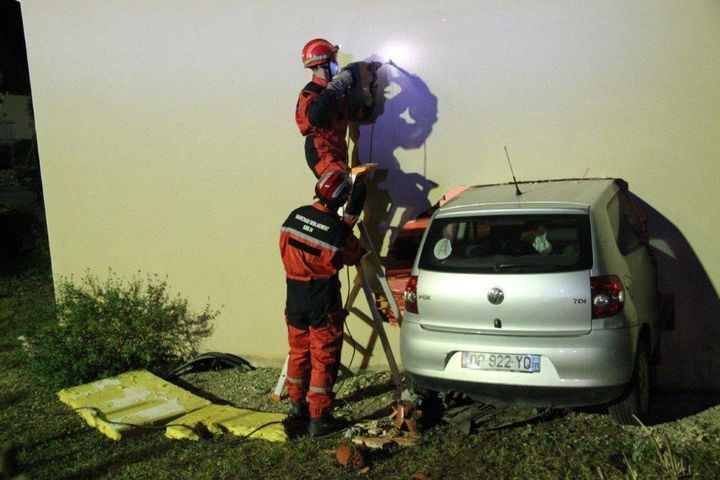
[(53, 443)]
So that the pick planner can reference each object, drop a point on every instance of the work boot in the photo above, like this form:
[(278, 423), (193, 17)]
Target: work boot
[(299, 409), (321, 427)]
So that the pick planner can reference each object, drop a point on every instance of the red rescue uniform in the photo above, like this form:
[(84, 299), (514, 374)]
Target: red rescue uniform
[(314, 245), (322, 118)]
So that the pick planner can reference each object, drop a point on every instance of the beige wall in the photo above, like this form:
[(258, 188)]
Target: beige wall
[(168, 144)]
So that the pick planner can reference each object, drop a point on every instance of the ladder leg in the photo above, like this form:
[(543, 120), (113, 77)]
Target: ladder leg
[(277, 394), (380, 330)]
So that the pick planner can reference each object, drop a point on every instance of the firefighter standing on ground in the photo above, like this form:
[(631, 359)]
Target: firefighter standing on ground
[(315, 243)]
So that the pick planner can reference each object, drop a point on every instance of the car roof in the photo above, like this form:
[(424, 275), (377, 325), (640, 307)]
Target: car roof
[(551, 194)]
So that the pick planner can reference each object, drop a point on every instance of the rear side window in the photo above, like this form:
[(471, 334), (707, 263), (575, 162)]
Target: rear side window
[(508, 244)]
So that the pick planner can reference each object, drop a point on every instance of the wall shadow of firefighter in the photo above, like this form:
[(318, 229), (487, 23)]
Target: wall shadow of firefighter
[(405, 113), (687, 376)]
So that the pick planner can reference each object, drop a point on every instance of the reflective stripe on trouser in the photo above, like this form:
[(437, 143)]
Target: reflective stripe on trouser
[(316, 352)]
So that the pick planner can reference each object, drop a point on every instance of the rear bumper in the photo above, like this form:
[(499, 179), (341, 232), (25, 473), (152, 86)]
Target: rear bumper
[(555, 397), (574, 370)]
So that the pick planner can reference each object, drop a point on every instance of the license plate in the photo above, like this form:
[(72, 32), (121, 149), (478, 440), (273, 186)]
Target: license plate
[(509, 362)]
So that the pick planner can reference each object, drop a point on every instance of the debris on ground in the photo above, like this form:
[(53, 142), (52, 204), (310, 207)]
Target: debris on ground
[(406, 416), (380, 434), (478, 416), (212, 361), (350, 456)]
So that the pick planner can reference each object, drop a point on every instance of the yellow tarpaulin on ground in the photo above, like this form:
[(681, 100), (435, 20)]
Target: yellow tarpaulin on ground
[(219, 418), (129, 401)]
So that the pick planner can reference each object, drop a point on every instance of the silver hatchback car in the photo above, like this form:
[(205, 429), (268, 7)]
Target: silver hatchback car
[(546, 298)]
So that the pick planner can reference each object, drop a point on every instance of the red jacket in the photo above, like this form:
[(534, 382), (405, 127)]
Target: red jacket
[(323, 118), (315, 244)]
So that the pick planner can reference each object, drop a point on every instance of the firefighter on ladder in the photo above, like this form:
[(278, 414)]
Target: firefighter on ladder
[(323, 112), (315, 243)]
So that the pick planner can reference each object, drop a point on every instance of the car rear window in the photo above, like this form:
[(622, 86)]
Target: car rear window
[(508, 244)]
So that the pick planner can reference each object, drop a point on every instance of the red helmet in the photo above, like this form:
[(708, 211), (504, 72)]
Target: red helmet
[(333, 188), (318, 51)]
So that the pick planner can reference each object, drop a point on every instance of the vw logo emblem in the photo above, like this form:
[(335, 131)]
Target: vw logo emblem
[(495, 296)]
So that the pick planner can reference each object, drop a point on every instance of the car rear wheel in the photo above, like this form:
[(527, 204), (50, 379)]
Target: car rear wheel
[(636, 401)]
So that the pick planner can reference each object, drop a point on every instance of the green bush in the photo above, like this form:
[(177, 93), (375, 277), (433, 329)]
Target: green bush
[(112, 326)]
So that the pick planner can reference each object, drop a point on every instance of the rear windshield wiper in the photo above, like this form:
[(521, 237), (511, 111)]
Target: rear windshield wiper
[(524, 266), (505, 266)]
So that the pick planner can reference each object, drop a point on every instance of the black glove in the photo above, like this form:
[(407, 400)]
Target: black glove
[(341, 83)]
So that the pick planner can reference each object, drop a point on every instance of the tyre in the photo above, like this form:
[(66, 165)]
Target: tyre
[(636, 401)]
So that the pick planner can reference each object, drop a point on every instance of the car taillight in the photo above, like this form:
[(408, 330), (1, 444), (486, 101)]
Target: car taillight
[(608, 296), (410, 295)]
